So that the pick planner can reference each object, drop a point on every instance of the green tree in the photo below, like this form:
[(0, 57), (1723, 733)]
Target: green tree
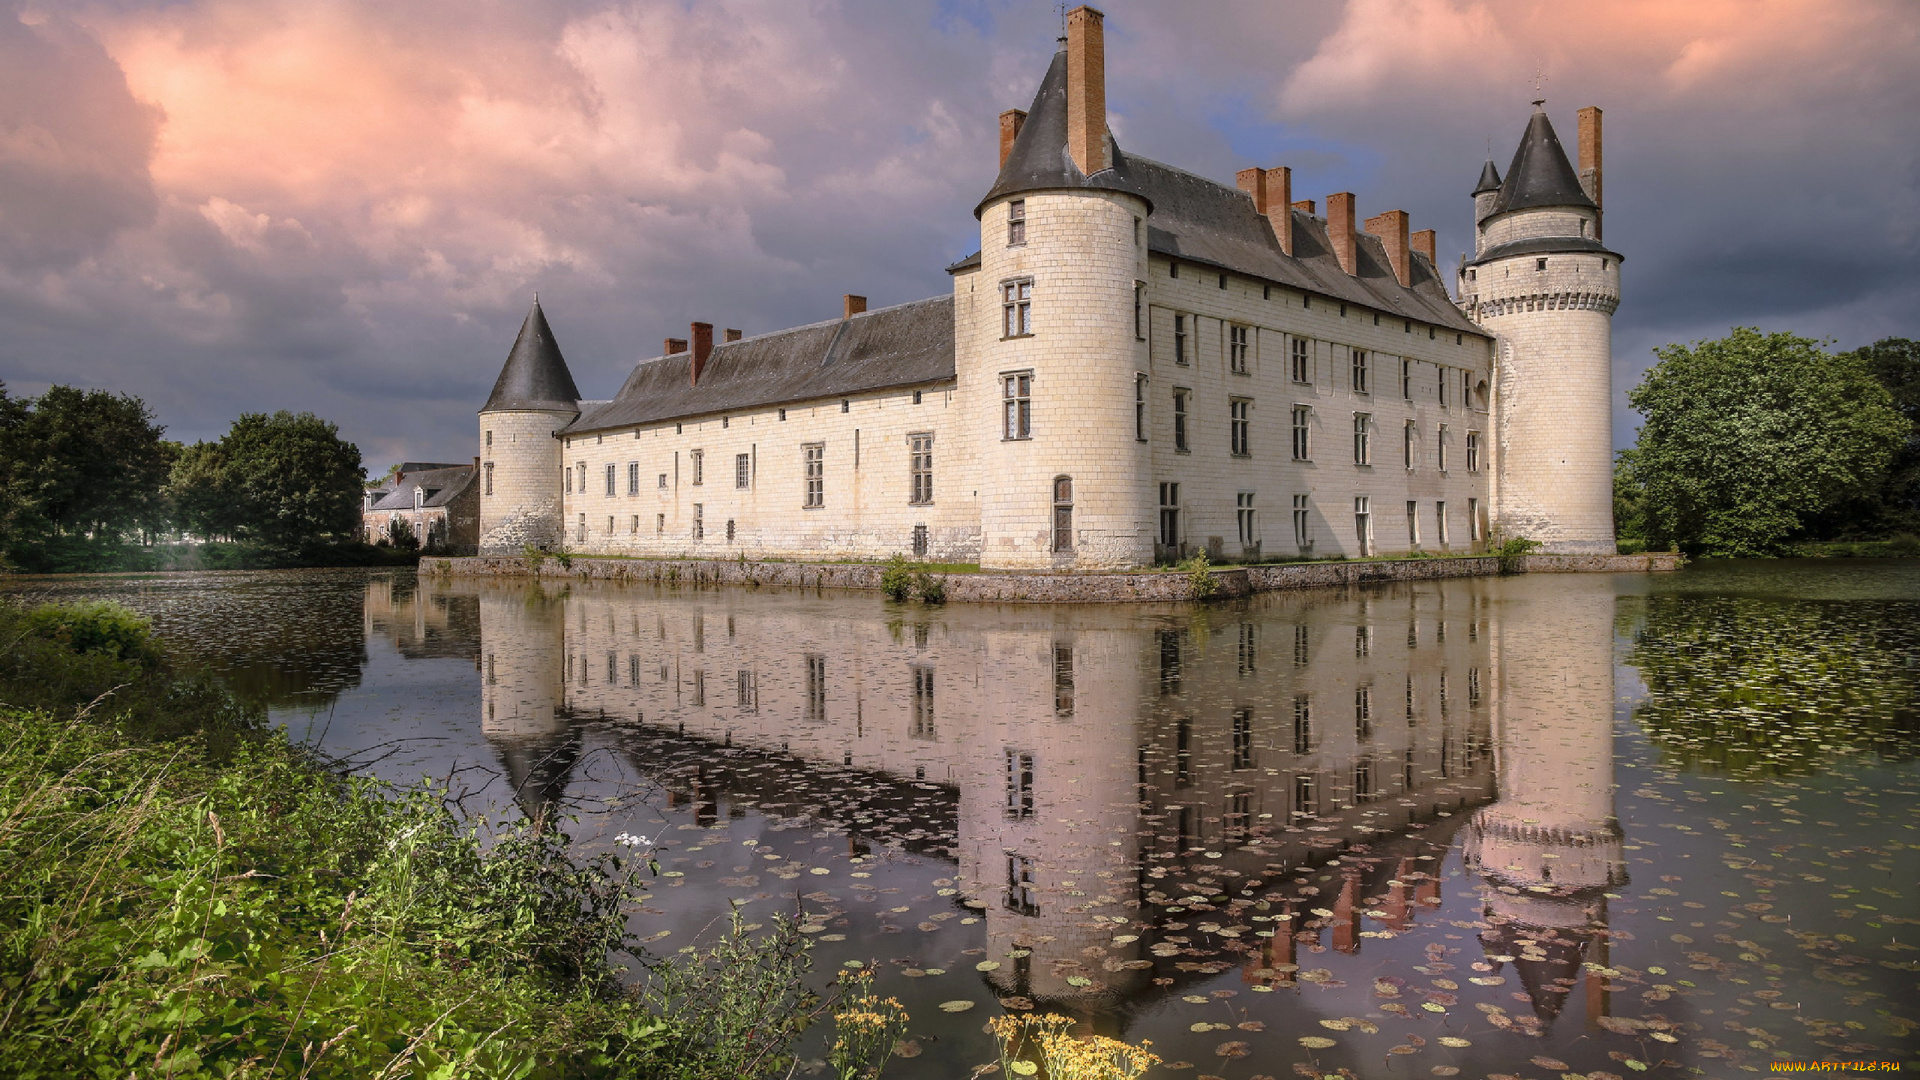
[(1748, 436), (80, 465), (298, 483), (204, 499), (1894, 506)]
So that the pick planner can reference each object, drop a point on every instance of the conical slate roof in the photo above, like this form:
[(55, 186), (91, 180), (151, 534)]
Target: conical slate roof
[(1489, 179), (1540, 174), (536, 378), (1040, 159)]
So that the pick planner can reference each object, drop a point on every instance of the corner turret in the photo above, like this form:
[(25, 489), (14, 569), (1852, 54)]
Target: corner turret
[(533, 398)]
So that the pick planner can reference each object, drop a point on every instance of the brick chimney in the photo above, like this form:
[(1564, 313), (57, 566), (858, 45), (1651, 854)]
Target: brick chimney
[(1307, 205), (1087, 90), (732, 334), (1590, 157), (1340, 230), (851, 305), (1010, 124), (1423, 242), (1272, 191), (1391, 228), (673, 345), (702, 336)]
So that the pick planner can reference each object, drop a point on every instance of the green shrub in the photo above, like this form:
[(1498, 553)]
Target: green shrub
[(535, 556), (95, 626), (932, 590), (1200, 573), (1511, 550), (897, 580)]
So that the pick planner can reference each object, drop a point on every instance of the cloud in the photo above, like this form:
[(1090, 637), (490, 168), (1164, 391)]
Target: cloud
[(228, 205)]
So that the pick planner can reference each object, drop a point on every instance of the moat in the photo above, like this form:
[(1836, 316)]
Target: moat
[(1527, 826)]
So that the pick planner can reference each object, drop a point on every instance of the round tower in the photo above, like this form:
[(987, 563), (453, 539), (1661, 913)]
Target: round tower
[(1542, 282), (1051, 357), (520, 457)]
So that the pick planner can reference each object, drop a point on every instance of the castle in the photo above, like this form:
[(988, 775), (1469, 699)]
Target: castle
[(1138, 364)]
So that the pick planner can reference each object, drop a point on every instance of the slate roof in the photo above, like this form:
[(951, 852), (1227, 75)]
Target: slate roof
[(535, 377), (904, 345), (1540, 174), (1542, 245), (1489, 179), (441, 484), (1039, 159)]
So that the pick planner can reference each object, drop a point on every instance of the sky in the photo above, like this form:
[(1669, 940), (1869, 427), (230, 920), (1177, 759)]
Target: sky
[(346, 206)]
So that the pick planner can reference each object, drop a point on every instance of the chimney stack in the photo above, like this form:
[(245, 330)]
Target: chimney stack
[(1590, 158), (1010, 123), (1423, 242), (1391, 228), (1272, 191), (673, 345), (1308, 206), (1340, 230), (732, 334), (1087, 90), (702, 336), (851, 305)]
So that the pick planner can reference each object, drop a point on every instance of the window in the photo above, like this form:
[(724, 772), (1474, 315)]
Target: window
[(1019, 785), (489, 474), (633, 527), (743, 471), (1243, 511), (1363, 640), (489, 440), (1442, 384), (1466, 389), (816, 686), (1363, 713), (1169, 514), (920, 468), (1539, 264), (1406, 444), (783, 415), (916, 396), (1180, 420), (1016, 308), (1406, 378), (1140, 311), (1363, 524), (1362, 449), (567, 475), (746, 689), (1223, 281), (663, 482), (1473, 451), (1440, 523), (1302, 448), (1140, 407), (1063, 513), (1306, 802), (1016, 222), (729, 528), (1243, 738), (1302, 722), (922, 702), (815, 455), (1240, 427), (1302, 523), (1063, 680), (1363, 790), (612, 477), (846, 406), (699, 522), (1249, 652), (1302, 360), (580, 533), (1016, 396), (1473, 687), (1237, 349), (1182, 753), (699, 460), (919, 541), (1236, 822), (1302, 643), (1169, 661), (1361, 369), (633, 478), (1023, 893), (1473, 520), (659, 524), (1440, 450), (1179, 338), (609, 524), (1413, 523)]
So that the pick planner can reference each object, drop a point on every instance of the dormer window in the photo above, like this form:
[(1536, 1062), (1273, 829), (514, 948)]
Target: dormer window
[(1016, 222), (419, 499)]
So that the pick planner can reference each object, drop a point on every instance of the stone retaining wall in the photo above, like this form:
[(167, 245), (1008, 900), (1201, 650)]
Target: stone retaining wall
[(1041, 588)]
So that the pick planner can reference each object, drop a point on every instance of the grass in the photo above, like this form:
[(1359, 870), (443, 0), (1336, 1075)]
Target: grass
[(1903, 546), (186, 893)]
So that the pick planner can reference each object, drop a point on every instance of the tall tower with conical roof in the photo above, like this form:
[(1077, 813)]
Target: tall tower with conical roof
[(1546, 286), (1048, 355), (520, 460)]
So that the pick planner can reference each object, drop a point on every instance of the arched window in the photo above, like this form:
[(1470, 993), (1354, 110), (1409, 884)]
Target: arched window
[(1063, 513)]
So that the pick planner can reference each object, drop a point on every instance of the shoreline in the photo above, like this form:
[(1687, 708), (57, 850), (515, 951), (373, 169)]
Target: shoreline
[(1039, 587)]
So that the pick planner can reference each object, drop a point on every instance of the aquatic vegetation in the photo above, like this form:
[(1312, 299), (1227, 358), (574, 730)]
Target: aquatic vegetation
[(1043, 1044)]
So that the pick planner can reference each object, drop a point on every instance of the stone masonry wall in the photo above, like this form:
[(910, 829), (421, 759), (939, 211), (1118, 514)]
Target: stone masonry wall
[(519, 480)]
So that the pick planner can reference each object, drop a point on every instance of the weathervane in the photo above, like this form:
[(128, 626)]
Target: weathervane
[(1539, 80)]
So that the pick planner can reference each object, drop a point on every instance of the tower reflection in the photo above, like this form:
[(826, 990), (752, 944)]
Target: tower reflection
[(1130, 798)]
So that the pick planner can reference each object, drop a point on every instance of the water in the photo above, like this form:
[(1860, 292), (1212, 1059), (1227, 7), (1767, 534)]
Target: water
[(1509, 827)]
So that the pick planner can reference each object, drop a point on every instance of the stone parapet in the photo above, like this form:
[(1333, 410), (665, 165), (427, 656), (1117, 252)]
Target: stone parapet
[(1041, 587)]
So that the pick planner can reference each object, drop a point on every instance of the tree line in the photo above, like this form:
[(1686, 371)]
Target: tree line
[(1767, 444), (89, 481)]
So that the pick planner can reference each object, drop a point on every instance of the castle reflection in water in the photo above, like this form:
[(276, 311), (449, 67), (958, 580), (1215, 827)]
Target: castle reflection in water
[(1091, 766)]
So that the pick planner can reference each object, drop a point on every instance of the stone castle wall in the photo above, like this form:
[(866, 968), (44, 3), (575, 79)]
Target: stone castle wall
[(518, 481)]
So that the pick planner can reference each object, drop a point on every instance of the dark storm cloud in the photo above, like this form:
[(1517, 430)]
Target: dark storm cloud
[(228, 205)]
